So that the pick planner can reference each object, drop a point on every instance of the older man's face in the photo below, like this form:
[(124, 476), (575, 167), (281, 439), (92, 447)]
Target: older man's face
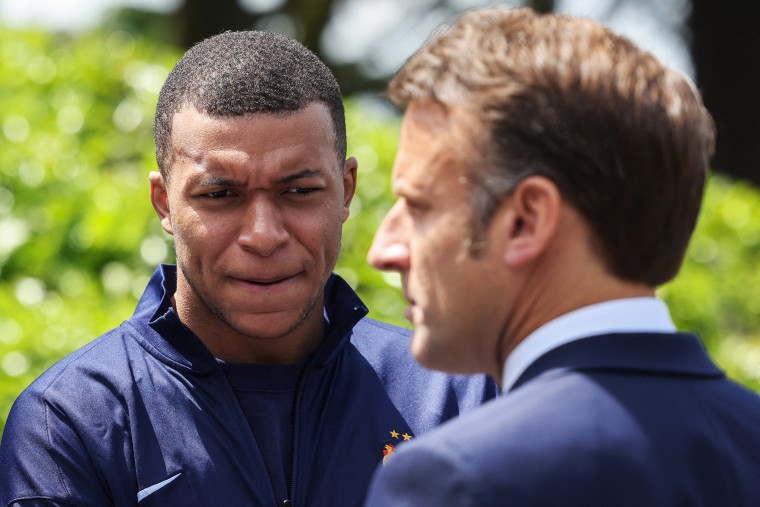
[(425, 237)]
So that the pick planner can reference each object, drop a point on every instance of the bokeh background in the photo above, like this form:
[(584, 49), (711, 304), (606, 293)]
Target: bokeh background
[(78, 85)]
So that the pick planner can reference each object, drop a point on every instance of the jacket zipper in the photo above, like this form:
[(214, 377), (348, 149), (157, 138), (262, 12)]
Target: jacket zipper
[(294, 437), (340, 331)]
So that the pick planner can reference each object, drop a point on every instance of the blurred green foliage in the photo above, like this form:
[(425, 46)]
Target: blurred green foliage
[(79, 239), (717, 292), (77, 235)]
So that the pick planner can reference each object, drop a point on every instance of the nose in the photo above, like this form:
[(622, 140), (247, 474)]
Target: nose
[(263, 230), (390, 248)]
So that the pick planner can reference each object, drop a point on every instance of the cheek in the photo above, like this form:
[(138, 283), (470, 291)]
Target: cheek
[(318, 232), (433, 253), (332, 237), (189, 232), (219, 226), (196, 239)]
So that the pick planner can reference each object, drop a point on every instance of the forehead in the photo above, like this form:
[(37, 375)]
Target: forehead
[(301, 137), (439, 147)]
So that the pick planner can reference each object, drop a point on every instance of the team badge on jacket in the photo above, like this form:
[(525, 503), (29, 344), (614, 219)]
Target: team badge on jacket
[(389, 446)]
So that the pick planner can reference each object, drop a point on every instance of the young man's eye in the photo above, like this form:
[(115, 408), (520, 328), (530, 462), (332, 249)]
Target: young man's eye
[(301, 190)]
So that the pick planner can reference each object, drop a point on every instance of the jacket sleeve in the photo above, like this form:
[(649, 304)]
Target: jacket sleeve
[(43, 460), (420, 476)]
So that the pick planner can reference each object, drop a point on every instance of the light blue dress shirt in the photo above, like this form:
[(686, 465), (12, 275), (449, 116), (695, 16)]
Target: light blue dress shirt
[(630, 315)]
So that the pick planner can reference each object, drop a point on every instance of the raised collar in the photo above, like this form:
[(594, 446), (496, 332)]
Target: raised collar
[(160, 331)]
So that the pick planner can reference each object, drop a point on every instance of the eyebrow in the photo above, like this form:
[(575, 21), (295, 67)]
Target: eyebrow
[(300, 175), (214, 180)]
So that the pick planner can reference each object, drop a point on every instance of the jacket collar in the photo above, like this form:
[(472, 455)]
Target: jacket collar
[(654, 353), (343, 310), (160, 331)]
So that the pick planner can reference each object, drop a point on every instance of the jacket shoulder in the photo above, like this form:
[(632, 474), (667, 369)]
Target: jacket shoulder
[(432, 396), (47, 444), (372, 327), (106, 357)]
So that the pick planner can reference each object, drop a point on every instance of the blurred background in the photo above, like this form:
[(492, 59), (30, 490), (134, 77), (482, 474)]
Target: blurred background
[(78, 85)]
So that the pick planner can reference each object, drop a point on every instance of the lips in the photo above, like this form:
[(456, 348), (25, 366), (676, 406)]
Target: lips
[(264, 281), (409, 312), (269, 281), (405, 290)]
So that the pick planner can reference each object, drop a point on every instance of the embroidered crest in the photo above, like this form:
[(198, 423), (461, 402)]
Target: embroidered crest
[(389, 449), (389, 446)]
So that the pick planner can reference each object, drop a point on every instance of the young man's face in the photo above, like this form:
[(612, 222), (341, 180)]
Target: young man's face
[(453, 296), (256, 204)]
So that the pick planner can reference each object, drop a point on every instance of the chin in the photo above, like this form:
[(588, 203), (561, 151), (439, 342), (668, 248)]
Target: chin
[(434, 355), (267, 325), (422, 348), (267, 333)]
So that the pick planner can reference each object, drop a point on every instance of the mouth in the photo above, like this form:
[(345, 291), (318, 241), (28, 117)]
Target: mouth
[(265, 281), (409, 312), (271, 281)]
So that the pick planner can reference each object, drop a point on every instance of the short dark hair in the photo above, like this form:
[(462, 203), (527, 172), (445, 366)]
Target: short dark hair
[(627, 141), (239, 73)]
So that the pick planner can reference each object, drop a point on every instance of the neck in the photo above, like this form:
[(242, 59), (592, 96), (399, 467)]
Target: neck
[(231, 341), (547, 296)]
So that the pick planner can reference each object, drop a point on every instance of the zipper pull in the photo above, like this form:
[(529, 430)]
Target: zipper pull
[(287, 503)]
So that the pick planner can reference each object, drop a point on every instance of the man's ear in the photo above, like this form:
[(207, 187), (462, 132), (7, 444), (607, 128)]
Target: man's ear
[(349, 185), (530, 220), (159, 197)]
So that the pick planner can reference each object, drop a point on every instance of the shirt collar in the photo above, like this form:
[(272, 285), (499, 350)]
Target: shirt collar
[(630, 315)]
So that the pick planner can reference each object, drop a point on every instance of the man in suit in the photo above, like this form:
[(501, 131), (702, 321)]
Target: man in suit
[(549, 177)]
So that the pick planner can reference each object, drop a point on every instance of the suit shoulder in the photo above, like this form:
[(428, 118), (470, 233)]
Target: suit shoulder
[(564, 421), (485, 456)]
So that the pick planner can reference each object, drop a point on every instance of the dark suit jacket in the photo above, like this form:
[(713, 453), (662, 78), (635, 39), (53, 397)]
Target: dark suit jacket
[(617, 420)]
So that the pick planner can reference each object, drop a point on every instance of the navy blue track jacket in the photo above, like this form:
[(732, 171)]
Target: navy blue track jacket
[(144, 415)]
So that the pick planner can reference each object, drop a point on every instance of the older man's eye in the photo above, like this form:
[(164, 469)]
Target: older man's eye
[(218, 194), (415, 206)]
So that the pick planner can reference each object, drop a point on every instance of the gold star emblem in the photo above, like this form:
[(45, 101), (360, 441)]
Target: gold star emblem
[(394, 433), (407, 436)]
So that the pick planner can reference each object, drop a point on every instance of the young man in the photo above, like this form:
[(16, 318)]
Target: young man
[(248, 374), (549, 177)]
